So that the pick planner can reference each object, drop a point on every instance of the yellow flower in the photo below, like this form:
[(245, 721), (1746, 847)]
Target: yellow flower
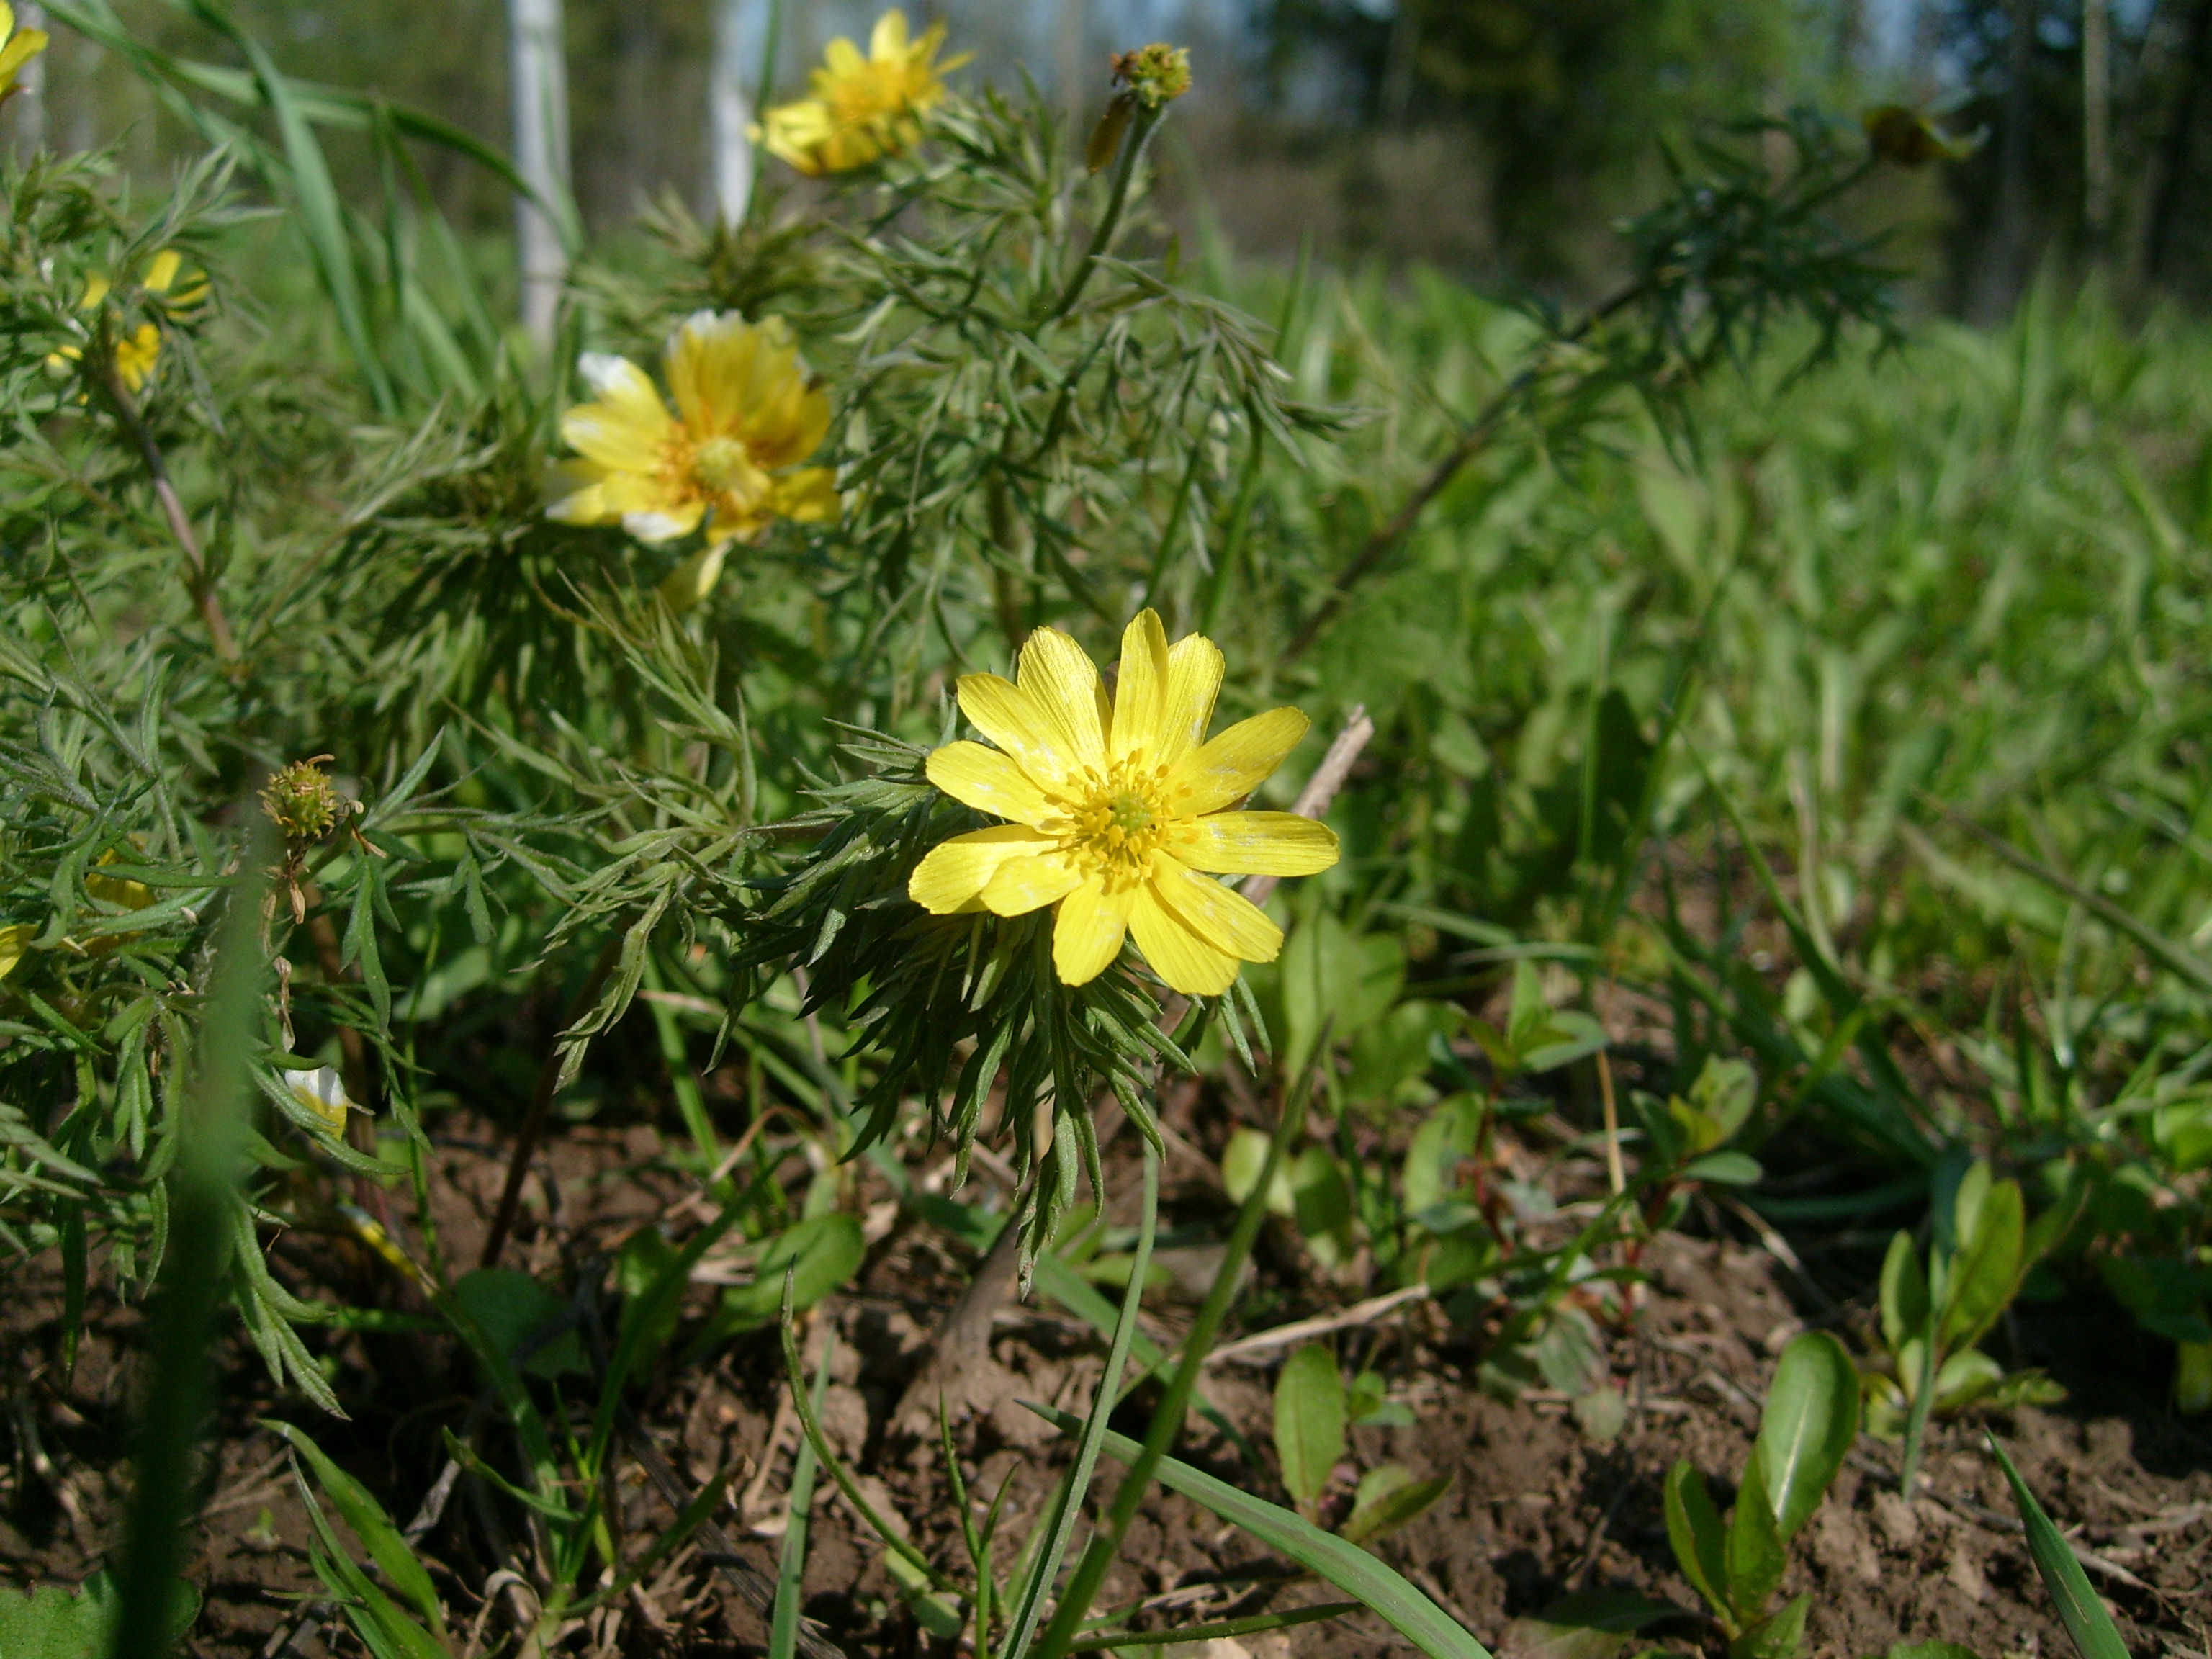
[(862, 107), (746, 417), (323, 1094), (15, 941), (17, 48), (1115, 806), (137, 353)]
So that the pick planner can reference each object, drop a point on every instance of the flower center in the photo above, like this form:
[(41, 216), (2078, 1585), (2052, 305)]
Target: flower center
[(723, 464), (1116, 822)]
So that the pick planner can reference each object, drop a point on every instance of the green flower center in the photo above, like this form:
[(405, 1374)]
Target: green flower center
[(723, 464), (1129, 813)]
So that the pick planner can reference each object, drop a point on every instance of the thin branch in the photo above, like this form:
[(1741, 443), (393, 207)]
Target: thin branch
[(126, 410)]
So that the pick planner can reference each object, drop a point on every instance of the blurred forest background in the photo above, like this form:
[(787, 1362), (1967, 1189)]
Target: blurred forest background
[(1496, 140)]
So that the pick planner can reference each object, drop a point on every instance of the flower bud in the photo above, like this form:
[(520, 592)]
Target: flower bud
[(302, 802), (1159, 73)]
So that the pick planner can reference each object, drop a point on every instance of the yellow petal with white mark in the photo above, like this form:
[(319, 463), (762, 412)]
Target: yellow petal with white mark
[(1063, 686), (1086, 935), (1187, 962), (1009, 716), (1255, 844), (953, 875), (1235, 763), (989, 781), (1140, 688), (1227, 921), (1195, 668), (1023, 884)]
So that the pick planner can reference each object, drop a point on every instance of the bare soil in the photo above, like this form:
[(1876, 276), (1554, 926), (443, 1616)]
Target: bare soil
[(1536, 1508)]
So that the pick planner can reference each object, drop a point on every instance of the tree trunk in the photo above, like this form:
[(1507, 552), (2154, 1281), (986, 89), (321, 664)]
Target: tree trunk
[(2174, 162), (729, 114), (2004, 254), (2097, 122), (29, 102), (537, 94)]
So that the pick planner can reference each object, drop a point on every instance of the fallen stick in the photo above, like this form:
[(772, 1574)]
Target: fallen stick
[(1359, 1313)]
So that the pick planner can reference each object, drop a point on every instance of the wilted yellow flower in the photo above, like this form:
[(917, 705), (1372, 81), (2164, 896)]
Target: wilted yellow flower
[(862, 107), (746, 415), (322, 1092), (17, 48), (1116, 806), (1908, 139), (15, 941)]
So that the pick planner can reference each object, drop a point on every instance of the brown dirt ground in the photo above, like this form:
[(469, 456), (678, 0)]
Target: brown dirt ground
[(1535, 1509)]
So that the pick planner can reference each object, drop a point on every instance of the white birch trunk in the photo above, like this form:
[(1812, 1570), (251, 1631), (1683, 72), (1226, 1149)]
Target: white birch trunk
[(29, 102), (538, 81), (729, 112)]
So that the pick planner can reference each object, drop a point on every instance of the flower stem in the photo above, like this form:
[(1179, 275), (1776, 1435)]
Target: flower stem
[(1141, 124), (197, 581)]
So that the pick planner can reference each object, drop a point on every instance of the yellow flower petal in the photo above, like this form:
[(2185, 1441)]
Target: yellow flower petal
[(1063, 686), (1186, 962), (7, 19), (624, 428), (163, 271), (1256, 844), (18, 51), (810, 495), (585, 506), (669, 524), (96, 287), (989, 781), (888, 43), (1194, 667), (691, 581), (1227, 921), (1086, 935), (15, 941), (953, 877), (1141, 688), (1009, 716), (1235, 763), (1023, 884)]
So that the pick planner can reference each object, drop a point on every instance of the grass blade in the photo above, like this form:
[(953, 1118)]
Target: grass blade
[(1350, 1568), (783, 1624), (2095, 1636)]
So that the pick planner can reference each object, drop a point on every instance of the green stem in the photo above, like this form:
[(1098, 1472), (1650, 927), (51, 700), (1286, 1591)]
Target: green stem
[(203, 1190), (1069, 1498), (1105, 1544), (783, 1623), (1924, 1401), (1141, 126)]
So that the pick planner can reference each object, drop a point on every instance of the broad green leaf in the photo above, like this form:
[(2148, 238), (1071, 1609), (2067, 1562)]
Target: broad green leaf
[(513, 1307), (1701, 1543), (1728, 1168), (825, 1251), (1588, 1624), (1242, 1160), (1778, 1637), (2094, 1634), (1811, 1418), (1755, 1551), (383, 1541), (1343, 1564), (1376, 1514), (1903, 1294), (1986, 1272), (49, 1622), (1309, 1422)]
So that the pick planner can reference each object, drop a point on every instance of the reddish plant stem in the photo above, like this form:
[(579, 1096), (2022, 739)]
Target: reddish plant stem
[(197, 582), (541, 1106)]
